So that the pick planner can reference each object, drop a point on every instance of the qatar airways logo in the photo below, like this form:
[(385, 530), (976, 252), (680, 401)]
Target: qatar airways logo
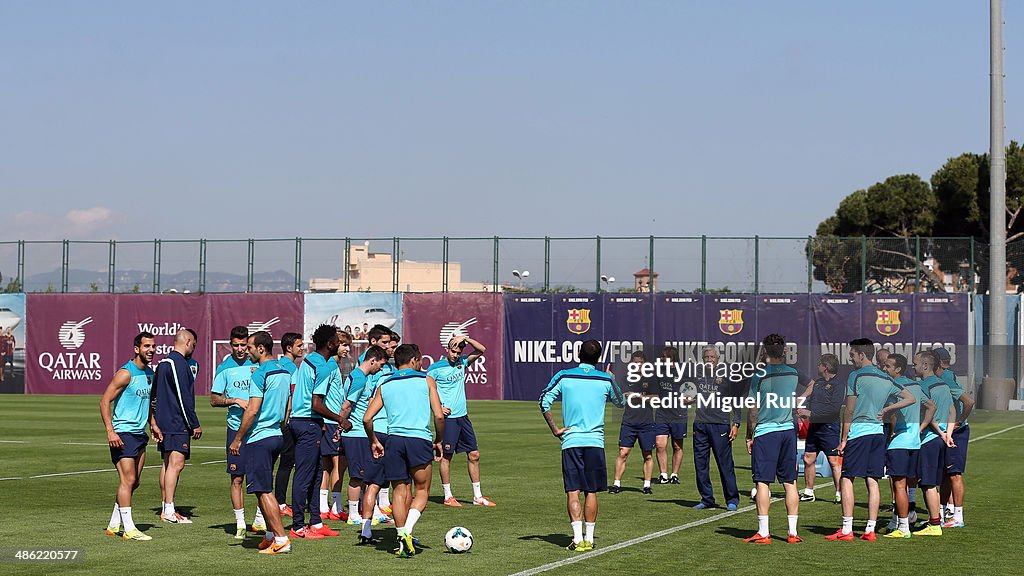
[(72, 334), (74, 366)]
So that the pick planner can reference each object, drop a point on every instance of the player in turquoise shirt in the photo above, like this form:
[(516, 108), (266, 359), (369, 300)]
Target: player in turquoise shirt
[(952, 491), (862, 443), (378, 495), (261, 429), (771, 435), (584, 391), (355, 444), (411, 398), (292, 348), (129, 392), (459, 437), (934, 438), (328, 397), (231, 390)]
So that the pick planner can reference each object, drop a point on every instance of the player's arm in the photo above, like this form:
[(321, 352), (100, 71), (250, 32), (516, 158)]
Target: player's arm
[(946, 436), (906, 399), (439, 416), (153, 427), (751, 425), (320, 407), (928, 415), (375, 405), (546, 400), (478, 350), (248, 417), (968, 401), (851, 401), (117, 384)]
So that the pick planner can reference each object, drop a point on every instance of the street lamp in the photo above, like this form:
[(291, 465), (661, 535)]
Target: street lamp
[(522, 276)]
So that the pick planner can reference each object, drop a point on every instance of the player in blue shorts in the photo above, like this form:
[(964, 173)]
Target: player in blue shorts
[(935, 439), (771, 436), (584, 391), (231, 390), (901, 455), (260, 428), (637, 426), (670, 422), (862, 444), (330, 445), (952, 491), (129, 392), (450, 375), (307, 425), (361, 465), (173, 419), (826, 396), (376, 505), (714, 430), (410, 398), (293, 348)]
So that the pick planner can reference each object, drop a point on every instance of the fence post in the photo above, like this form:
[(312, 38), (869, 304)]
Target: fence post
[(395, 255), (250, 265), (917, 264), (347, 261), (810, 263), (202, 265), (757, 264), (703, 263), (111, 265), (156, 266), (298, 264), (650, 267), (863, 264), (21, 264), (495, 264), (547, 263), (971, 271), (444, 264), (65, 248), (598, 266)]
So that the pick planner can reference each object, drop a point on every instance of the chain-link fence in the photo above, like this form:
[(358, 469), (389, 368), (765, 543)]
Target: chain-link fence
[(446, 264)]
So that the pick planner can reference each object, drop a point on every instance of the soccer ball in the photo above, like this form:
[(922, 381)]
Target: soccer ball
[(458, 540)]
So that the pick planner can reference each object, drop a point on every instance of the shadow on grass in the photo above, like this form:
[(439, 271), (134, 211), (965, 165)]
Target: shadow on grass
[(183, 510), (560, 540), (679, 502), (228, 528), (738, 533), (820, 530)]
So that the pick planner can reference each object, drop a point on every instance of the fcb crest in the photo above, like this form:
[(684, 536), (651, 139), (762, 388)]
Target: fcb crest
[(578, 321), (887, 322), (730, 321)]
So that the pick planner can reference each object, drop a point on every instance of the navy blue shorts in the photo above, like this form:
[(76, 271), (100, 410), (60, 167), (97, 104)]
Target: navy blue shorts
[(902, 462), (458, 436), (584, 469), (773, 456), (175, 443), (864, 457), (259, 464), (402, 454), (357, 454), (823, 437), (644, 434), (956, 458), (134, 446), (677, 430), (373, 468), (236, 464), (328, 446), (932, 462)]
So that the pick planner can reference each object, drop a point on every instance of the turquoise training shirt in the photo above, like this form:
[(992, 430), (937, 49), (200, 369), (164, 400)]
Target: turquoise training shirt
[(131, 406), (776, 398), (451, 384), (873, 388), (407, 398), (584, 390), (312, 373), (355, 386), (232, 380), (908, 423), (272, 383), (938, 392)]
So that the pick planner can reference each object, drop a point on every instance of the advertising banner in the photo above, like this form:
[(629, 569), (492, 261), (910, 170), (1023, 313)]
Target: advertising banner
[(70, 349), (161, 315), (12, 343)]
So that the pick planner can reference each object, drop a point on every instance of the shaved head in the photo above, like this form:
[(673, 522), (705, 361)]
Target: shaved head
[(184, 342)]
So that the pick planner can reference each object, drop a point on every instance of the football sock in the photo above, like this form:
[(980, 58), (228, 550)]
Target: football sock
[(258, 520), (115, 518), (589, 534), (647, 483), (280, 540), (126, 519), (366, 528), (353, 510), (323, 501), (870, 526), (410, 522), (476, 491), (384, 498), (335, 502), (577, 531), (762, 525), (240, 517), (792, 523), (958, 513), (447, 491), (616, 483), (904, 525), (847, 524)]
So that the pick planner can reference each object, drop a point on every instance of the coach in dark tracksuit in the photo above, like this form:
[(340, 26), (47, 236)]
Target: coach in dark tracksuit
[(174, 413), (826, 397), (713, 432)]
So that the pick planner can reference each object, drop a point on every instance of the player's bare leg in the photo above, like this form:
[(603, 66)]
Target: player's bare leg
[(677, 455)]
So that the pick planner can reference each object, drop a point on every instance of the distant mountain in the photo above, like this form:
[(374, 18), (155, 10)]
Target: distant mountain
[(126, 280)]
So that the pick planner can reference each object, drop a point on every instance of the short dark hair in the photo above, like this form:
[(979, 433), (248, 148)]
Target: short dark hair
[(864, 346), (932, 357), (323, 334), (900, 360), (774, 346), (830, 362), (375, 352), (263, 338), (140, 336), (395, 336), (638, 355), (670, 353), (406, 353), (239, 333), (377, 332), (590, 352), (193, 333), (288, 340)]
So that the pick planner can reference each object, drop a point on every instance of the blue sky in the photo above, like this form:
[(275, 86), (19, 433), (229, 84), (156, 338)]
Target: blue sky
[(132, 120)]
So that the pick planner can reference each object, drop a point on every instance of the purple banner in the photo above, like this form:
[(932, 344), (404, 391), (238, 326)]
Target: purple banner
[(679, 322), (430, 320), (70, 348), (276, 313), (162, 315)]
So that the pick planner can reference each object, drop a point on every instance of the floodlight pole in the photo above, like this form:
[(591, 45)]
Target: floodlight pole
[(997, 201)]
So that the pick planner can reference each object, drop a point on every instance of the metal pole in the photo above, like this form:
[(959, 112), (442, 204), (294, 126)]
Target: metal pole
[(156, 266), (21, 264), (650, 261), (112, 266), (917, 265), (495, 264), (863, 264), (810, 263), (971, 271), (547, 263), (348, 261), (396, 255), (202, 265), (64, 266), (298, 263), (250, 264), (598, 246), (703, 263), (444, 263), (997, 200), (757, 263)]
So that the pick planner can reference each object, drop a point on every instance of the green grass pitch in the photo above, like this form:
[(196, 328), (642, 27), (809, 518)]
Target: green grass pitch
[(521, 472)]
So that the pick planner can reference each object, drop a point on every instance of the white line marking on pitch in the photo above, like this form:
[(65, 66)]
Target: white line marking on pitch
[(106, 445), (14, 441), (10, 478), (97, 471), (673, 530)]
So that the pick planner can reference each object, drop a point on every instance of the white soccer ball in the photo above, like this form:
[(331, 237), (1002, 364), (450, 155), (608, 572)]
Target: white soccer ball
[(458, 540)]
